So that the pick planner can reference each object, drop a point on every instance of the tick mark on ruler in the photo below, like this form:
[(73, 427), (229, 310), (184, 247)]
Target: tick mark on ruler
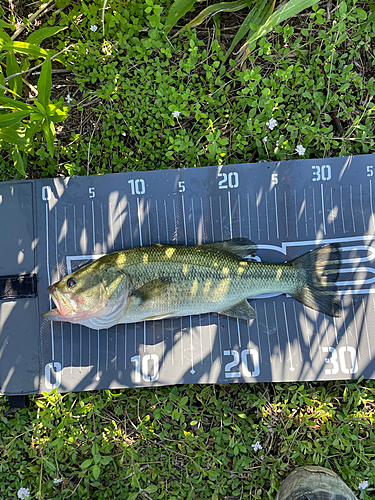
[(361, 201), (351, 205), (315, 229), (342, 210), (295, 211), (248, 215), (93, 224), (291, 368), (276, 214), (323, 209), (286, 215)]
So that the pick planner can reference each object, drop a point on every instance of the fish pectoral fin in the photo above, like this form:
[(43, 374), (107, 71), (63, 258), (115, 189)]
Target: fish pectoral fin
[(151, 290), (242, 310), (241, 247)]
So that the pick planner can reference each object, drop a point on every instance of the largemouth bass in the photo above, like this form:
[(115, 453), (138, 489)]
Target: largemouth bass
[(166, 281)]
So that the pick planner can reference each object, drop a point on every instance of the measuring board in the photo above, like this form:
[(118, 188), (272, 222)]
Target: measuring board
[(54, 226)]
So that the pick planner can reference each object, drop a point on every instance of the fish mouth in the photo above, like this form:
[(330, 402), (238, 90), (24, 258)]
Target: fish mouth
[(65, 304)]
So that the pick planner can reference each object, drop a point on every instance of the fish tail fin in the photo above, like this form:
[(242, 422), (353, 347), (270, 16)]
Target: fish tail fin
[(320, 269)]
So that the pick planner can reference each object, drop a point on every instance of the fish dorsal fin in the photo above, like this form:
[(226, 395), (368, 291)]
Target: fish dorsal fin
[(151, 290), (241, 247), (242, 310)]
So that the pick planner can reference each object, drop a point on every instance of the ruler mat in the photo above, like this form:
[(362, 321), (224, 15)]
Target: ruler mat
[(286, 208)]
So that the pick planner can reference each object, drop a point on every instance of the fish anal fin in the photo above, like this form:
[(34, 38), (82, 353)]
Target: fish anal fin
[(151, 290), (241, 310), (241, 247)]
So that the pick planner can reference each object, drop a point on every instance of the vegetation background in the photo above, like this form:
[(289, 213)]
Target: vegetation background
[(125, 96)]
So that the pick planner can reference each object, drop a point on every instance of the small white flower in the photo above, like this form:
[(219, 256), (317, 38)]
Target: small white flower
[(272, 124), (300, 149), (176, 113), (362, 485), (93, 27), (57, 480), (68, 99), (23, 493), (265, 138), (257, 446), (277, 144)]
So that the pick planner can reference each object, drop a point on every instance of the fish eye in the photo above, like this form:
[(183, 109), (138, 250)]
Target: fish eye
[(71, 283)]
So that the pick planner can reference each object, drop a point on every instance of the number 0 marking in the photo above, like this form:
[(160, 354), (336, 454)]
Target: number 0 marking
[(148, 361), (47, 373), (46, 193)]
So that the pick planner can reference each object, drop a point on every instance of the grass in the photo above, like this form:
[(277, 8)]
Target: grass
[(139, 101), (187, 441)]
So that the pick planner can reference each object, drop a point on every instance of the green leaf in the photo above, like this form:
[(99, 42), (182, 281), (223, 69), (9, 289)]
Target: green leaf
[(38, 36), (6, 102), (4, 37), (37, 116), (253, 17), (31, 130), (177, 10), (96, 471), (2, 83), (86, 463), (57, 113), (25, 48), (292, 8), (49, 135), (6, 25), (15, 83), (152, 488), (11, 136), (11, 119), (45, 83), (19, 162), (214, 9), (132, 496), (40, 108)]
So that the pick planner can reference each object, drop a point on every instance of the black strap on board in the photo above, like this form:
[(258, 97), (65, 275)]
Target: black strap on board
[(17, 403), (21, 286)]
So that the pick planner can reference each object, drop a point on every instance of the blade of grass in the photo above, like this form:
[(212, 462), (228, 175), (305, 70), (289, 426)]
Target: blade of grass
[(38, 36), (25, 48), (11, 136), (215, 9), (15, 83), (45, 83), (19, 162), (11, 119), (177, 10), (6, 102), (49, 135), (288, 10), (6, 25), (251, 18)]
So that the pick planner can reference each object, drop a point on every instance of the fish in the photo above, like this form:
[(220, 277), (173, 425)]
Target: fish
[(166, 281)]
